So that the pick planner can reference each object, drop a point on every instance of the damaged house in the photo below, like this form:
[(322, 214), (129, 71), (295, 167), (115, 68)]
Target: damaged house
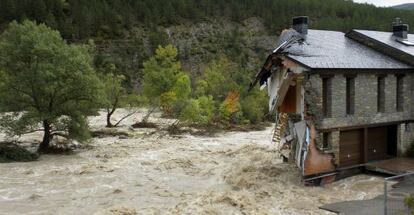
[(342, 100)]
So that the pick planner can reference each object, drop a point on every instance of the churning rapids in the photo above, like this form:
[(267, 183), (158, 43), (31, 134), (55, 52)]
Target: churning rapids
[(154, 173)]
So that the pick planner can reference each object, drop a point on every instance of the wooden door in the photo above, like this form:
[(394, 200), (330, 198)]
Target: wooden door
[(377, 143), (351, 150)]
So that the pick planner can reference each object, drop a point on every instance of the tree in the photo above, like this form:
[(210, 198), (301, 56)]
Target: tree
[(254, 106), (46, 81), (218, 76), (230, 109), (160, 75), (116, 96), (199, 111)]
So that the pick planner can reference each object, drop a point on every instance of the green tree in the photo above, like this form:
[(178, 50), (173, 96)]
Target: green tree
[(181, 92), (230, 109), (160, 75), (218, 76), (182, 86), (198, 111), (157, 38), (254, 106), (116, 96), (45, 80)]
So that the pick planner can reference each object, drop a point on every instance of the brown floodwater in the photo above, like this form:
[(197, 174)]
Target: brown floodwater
[(229, 173)]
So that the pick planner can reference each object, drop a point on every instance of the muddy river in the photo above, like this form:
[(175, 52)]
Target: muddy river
[(154, 173)]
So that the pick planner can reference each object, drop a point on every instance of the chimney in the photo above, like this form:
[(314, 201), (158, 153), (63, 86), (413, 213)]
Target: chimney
[(399, 30), (300, 24)]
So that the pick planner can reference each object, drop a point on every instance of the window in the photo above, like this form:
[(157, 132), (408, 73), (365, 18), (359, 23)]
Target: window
[(400, 93), (327, 96), (381, 94), (350, 95)]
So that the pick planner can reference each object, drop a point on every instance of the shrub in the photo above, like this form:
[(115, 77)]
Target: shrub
[(10, 152), (201, 88), (230, 109), (198, 111), (191, 111), (254, 107), (409, 202), (207, 109)]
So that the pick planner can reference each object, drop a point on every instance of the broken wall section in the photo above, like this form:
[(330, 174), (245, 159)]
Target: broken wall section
[(405, 134)]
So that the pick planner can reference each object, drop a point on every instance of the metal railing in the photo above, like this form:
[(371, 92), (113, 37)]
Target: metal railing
[(396, 190)]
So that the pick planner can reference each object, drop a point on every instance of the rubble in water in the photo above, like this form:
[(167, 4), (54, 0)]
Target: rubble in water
[(150, 172)]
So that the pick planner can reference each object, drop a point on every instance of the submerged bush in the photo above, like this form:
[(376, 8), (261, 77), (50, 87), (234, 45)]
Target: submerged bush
[(10, 152), (198, 111)]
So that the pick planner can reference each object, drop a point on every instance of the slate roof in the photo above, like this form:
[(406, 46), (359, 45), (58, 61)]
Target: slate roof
[(332, 50), (386, 43), (387, 38)]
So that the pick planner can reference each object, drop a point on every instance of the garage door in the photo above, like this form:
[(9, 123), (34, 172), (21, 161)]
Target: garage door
[(351, 148), (379, 141)]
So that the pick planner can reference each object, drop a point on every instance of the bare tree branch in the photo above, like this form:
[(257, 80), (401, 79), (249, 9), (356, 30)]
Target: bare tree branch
[(124, 117)]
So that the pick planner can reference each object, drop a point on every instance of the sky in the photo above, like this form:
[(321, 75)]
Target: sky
[(385, 3)]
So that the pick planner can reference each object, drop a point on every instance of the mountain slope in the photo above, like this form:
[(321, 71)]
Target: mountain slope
[(408, 6), (77, 19), (126, 32)]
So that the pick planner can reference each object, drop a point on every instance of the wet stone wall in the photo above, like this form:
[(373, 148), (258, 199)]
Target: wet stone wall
[(365, 106), (366, 110), (406, 137)]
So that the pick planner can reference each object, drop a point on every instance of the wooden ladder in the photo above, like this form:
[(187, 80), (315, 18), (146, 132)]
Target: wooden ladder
[(281, 124)]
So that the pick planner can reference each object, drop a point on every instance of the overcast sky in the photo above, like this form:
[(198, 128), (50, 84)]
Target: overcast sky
[(384, 3)]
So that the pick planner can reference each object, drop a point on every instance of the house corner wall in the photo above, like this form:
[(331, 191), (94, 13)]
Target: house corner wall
[(312, 86), (405, 131), (335, 146), (405, 138)]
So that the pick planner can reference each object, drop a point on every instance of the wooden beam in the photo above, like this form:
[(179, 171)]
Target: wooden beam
[(369, 125)]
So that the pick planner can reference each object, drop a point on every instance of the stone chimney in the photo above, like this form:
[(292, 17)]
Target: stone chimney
[(399, 29), (300, 24)]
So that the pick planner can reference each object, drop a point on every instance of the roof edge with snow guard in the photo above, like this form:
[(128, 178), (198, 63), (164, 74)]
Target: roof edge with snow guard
[(310, 69), (386, 43)]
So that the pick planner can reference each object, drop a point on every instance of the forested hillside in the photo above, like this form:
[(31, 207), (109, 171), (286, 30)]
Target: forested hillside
[(408, 6), (121, 27), (77, 19), (220, 44)]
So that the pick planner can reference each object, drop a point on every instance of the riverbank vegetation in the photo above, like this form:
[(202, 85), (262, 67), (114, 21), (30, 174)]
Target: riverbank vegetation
[(61, 61)]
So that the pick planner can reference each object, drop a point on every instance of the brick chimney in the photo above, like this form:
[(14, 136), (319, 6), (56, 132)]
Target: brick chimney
[(300, 24), (399, 29)]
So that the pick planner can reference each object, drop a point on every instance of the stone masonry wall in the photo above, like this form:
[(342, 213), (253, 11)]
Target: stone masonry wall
[(365, 101), (366, 86), (405, 137)]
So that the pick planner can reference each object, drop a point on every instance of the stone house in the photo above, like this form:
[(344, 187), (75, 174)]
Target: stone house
[(342, 100)]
